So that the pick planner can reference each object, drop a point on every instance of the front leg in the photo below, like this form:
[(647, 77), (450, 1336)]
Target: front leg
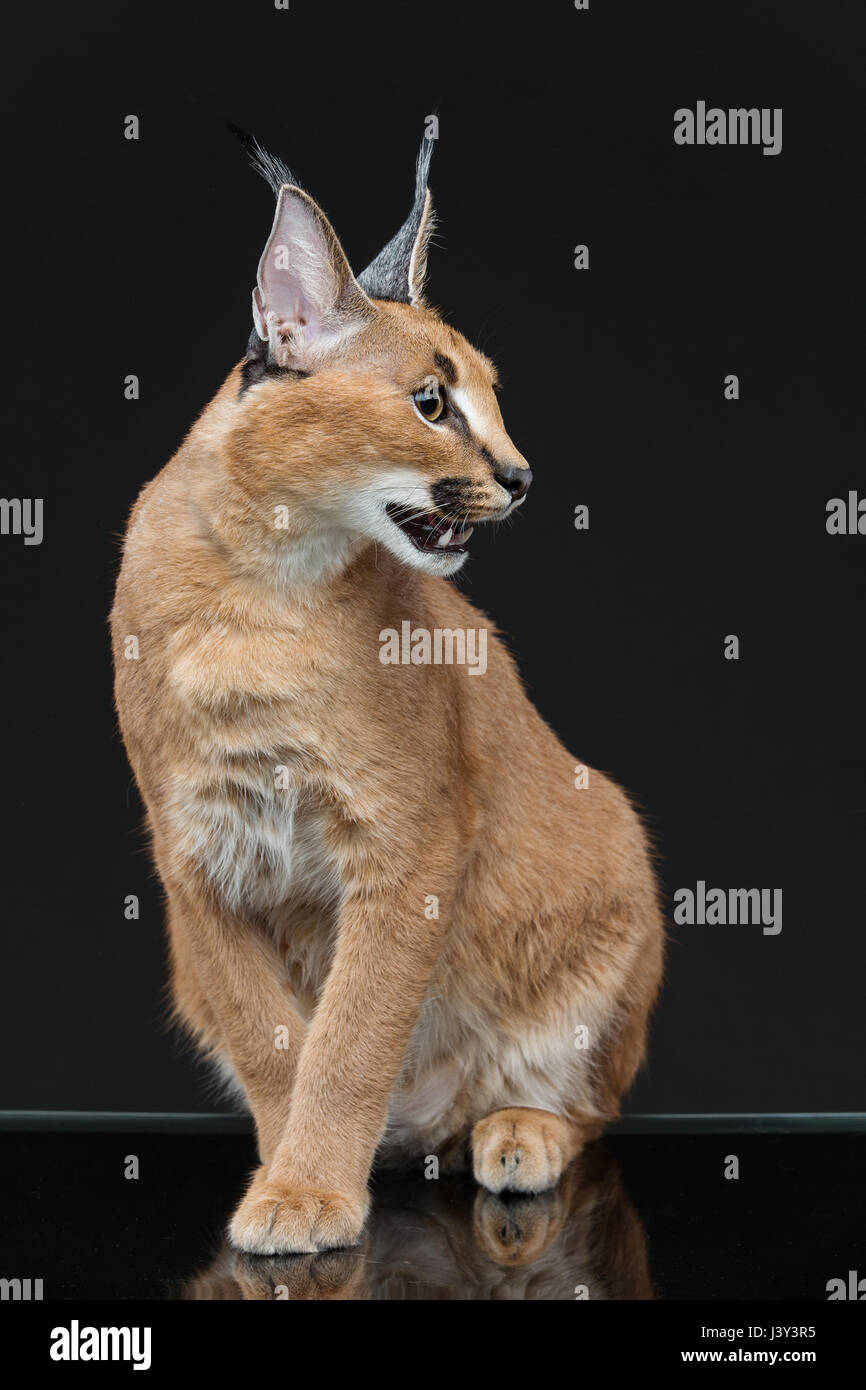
[(241, 982), (313, 1194)]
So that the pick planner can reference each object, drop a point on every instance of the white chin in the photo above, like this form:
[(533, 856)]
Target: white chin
[(439, 562), (442, 562)]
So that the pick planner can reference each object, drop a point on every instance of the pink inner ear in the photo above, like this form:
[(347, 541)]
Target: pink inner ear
[(275, 331), (297, 283)]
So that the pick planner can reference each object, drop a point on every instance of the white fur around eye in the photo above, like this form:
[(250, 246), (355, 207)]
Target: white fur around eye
[(474, 417)]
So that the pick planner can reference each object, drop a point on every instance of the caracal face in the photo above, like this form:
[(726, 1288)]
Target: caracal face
[(415, 452)]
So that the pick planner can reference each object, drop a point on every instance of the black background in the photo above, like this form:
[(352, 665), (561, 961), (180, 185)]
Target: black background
[(707, 516)]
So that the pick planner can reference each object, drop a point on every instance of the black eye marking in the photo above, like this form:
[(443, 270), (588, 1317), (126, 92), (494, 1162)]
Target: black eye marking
[(445, 367)]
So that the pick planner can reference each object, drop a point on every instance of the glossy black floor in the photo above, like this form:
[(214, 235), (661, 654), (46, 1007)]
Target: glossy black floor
[(637, 1218)]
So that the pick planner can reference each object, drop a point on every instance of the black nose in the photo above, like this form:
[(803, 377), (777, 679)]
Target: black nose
[(514, 479)]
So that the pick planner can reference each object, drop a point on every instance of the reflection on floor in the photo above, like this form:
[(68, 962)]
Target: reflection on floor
[(635, 1218), (446, 1240)]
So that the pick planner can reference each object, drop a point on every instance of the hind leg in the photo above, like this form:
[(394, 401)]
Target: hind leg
[(523, 1150), (517, 1149)]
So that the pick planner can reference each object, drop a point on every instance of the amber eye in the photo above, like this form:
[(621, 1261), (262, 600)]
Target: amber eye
[(430, 399)]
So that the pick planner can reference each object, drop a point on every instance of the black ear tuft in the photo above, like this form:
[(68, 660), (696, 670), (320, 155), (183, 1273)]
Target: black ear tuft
[(269, 166), (398, 270)]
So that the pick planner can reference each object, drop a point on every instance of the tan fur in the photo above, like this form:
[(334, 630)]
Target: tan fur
[(302, 906)]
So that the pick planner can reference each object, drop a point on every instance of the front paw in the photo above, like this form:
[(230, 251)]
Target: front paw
[(520, 1150), (278, 1217)]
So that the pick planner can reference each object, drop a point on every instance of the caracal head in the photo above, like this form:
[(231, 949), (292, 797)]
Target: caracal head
[(360, 409)]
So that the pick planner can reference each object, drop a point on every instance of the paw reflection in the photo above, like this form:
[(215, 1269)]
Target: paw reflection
[(333, 1274), (448, 1240), (516, 1230)]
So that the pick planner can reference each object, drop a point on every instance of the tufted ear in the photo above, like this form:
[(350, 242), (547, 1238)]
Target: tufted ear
[(306, 297), (399, 269)]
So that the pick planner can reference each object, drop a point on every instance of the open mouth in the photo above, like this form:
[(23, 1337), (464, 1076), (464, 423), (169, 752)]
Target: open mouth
[(431, 532)]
